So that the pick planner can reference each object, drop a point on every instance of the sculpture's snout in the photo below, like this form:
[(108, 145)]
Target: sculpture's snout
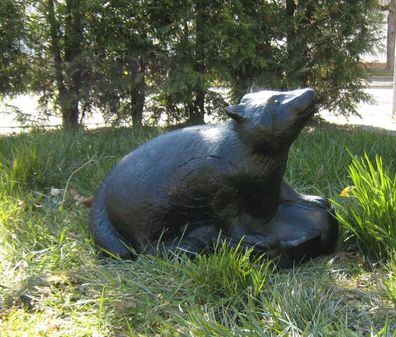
[(309, 94), (304, 100)]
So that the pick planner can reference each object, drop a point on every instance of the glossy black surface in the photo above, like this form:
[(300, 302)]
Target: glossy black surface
[(193, 186)]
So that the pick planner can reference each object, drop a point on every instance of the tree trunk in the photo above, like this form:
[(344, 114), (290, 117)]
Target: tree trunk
[(304, 49), (56, 54), (67, 71), (290, 9), (197, 110), (390, 45), (291, 40), (199, 105), (297, 48), (73, 41), (138, 91)]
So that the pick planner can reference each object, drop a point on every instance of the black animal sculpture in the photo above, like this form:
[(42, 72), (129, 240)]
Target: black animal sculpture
[(186, 189)]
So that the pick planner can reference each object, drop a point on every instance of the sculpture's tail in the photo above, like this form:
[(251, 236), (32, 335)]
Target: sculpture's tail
[(104, 234)]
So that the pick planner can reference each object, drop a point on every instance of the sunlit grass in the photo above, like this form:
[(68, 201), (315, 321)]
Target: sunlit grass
[(53, 282), (390, 281), (368, 210)]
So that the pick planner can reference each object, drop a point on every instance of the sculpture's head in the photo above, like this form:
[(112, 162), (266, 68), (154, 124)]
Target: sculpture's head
[(272, 120)]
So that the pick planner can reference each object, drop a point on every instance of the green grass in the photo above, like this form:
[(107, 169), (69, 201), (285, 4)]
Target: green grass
[(54, 283), (390, 281), (369, 211)]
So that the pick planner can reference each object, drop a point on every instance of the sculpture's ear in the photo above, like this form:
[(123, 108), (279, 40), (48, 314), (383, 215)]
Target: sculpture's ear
[(236, 112)]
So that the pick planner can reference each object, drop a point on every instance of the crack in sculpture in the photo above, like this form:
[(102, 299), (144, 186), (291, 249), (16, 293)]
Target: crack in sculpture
[(196, 158)]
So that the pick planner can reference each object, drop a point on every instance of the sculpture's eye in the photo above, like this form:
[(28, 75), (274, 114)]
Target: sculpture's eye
[(275, 100)]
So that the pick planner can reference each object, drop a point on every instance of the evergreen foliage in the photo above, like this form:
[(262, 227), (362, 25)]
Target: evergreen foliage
[(175, 60), (13, 57)]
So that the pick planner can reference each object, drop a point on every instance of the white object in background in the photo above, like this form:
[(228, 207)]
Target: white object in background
[(394, 87)]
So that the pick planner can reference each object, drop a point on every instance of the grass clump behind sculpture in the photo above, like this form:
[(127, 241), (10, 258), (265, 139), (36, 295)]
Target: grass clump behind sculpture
[(369, 211)]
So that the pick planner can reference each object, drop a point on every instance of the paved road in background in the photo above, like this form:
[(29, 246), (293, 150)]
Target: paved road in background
[(375, 116)]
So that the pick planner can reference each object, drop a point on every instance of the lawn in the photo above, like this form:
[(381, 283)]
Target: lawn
[(54, 283)]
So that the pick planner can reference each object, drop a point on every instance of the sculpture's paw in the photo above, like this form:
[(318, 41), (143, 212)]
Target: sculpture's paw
[(268, 243), (301, 248), (306, 228)]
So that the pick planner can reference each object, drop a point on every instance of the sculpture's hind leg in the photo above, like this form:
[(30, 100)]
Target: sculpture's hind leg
[(206, 236)]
